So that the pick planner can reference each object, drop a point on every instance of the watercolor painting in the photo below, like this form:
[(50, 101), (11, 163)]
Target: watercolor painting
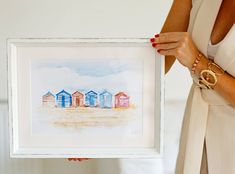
[(87, 96)]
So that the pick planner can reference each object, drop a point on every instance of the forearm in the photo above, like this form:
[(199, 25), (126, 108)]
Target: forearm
[(225, 85), (176, 21), (169, 61), (181, 46)]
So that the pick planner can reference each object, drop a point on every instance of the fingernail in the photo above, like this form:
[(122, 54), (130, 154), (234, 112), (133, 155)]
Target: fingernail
[(154, 44), (158, 51), (152, 40), (157, 35)]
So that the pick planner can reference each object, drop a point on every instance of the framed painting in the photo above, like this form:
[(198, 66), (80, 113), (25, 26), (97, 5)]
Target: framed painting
[(93, 98)]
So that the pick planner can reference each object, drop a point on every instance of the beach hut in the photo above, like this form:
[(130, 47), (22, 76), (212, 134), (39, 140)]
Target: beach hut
[(77, 99), (106, 99), (91, 99), (48, 100), (63, 99), (121, 100)]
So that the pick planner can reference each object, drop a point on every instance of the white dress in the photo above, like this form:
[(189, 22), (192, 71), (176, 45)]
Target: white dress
[(208, 116), (212, 49)]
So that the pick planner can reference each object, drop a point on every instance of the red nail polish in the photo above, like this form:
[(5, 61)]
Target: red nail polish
[(158, 51), (154, 44), (157, 35), (152, 40)]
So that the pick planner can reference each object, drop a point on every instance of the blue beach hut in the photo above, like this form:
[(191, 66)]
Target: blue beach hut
[(63, 99), (106, 99), (91, 98)]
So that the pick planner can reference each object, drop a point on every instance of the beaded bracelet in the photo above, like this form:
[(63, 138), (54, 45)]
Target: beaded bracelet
[(195, 63)]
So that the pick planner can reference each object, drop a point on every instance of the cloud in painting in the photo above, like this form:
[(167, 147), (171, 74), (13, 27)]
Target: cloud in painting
[(113, 76)]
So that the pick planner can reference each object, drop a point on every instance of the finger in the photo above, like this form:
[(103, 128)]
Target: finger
[(171, 52), (78, 159), (170, 37), (152, 40), (166, 46), (83, 159), (72, 159)]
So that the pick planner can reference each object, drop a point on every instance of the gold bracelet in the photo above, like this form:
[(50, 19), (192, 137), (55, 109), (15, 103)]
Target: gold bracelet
[(215, 68), (202, 85), (208, 78)]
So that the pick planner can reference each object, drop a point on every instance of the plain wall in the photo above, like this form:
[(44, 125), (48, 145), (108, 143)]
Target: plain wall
[(89, 19)]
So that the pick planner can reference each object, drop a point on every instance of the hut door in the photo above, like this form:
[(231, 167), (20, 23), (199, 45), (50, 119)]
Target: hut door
[(92, 101), (63, 101), (77, 102)]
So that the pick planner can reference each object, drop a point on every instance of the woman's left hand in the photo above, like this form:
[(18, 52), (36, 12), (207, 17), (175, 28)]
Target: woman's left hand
[(178, 44), (78, 159)]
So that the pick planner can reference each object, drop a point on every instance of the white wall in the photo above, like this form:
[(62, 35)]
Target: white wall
[(89, 19), (77, 18)]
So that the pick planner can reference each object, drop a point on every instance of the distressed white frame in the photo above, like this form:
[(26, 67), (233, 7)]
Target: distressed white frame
[(17, 152)]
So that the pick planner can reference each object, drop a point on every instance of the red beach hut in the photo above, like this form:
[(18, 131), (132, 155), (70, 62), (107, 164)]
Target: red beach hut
[(77, 99), (48, 100), (121, 100)]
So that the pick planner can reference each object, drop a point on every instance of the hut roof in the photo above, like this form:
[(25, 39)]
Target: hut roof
[(48, 94), (63, 92), (77, 93), (91, 92), (105, 92), (121, 94)]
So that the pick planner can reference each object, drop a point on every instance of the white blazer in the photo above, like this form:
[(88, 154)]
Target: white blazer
[(208, 116)]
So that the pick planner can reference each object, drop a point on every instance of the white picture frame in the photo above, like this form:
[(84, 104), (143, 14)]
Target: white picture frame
[(25, 143)]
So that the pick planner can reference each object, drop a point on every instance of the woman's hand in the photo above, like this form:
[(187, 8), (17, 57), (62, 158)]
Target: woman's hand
[(78, 159), (178, 44)]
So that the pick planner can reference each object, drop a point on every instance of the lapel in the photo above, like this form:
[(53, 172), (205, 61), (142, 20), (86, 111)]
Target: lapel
[(204, 23), (225, 56)]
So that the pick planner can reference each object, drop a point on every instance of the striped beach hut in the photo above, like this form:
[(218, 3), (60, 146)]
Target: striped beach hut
[(48, 100), (63, 99), (91, 99), (77, 99), (105, 99), (122, 100)]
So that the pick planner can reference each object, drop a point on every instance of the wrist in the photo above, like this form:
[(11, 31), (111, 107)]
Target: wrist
[(207, 72), (202, 65)]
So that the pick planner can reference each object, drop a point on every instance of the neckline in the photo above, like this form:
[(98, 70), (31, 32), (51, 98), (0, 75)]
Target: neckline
[(220, 42), (215, 45), (203, 26)]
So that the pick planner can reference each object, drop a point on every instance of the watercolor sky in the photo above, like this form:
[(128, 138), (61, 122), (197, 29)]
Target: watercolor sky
[(113, 75)]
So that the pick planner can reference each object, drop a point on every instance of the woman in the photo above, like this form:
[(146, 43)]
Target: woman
[(200, 34)]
